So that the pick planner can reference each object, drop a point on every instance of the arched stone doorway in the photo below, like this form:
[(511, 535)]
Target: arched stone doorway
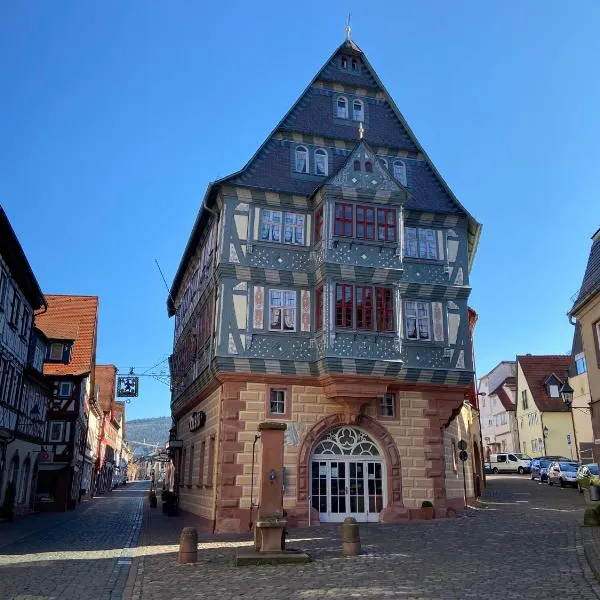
[(388, 458)]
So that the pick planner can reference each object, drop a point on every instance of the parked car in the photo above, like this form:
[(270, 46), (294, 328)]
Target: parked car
[(487, 467), (510, 462), (563, 473), (539, 469), (586, 474)]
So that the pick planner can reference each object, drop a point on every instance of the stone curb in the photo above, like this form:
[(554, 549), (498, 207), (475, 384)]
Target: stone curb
[(585, 556)]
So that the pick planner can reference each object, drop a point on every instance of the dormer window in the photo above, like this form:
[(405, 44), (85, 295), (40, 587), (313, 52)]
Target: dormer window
[(357, 165), (344, 62), (400, 171), (342, 108), (301, 159), (321, 163), (553, 391), (358, 112), (56, 351)]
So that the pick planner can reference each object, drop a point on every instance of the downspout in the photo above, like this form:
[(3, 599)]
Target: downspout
[(256, 438)]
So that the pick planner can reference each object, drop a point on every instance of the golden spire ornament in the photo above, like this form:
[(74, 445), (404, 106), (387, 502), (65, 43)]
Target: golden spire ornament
[(361, 131), (348, 28)]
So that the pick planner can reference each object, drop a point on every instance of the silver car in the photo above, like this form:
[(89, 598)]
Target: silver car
[(563, 473)]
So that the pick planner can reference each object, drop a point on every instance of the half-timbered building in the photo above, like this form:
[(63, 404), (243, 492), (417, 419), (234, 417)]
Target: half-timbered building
[(70, 324), (325, 284), (23, 390)]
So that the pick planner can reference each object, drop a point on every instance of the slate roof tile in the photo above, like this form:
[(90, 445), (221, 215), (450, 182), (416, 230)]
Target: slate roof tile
[(591, 278)]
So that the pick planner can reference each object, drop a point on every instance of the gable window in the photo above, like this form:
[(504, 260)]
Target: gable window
[(365, 223), (420, 243), (342, 108), (400, 171), (387, 405), (25, 322), (553, 391), (56, 351), (354, 65), (319, 225), (364, 307), (282, 315), (3, 286), (15, 309), (580, 363), (343, 219), (416, 319), (384, 309), (321, 164), (56, 431), (301, 159), (368, 166), (358, 111), (271, 225), (524, 399), (383, 161), (64, 389), (277, 402), (319, 309), (357, 165), (386, 224), (344, 62), (343, 305)]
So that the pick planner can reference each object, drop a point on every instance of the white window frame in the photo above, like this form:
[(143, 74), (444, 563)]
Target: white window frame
[(278, 400), (68, 385), (386, 402), (400, 171), (279, 305), (51, 425), (553, 388), (421, 243), (54, 345), (358, 115), (321, 152), (277, 224), (344, 112), (297, 152), (411, 312)]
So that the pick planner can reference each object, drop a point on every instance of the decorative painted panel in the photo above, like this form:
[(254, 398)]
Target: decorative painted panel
[(280, 347), (305, 310), (259, 306), (438, 321), (366, 345)]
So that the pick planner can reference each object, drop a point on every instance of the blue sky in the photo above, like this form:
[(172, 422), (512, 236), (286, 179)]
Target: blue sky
[(115, 116)]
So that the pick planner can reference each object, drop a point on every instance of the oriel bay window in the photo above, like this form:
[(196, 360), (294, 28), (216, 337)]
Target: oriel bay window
[(360, 222), (364, 307), (282, 310), (416, 319), (420, 243), (365, 223), (273, 221), (344, 218)]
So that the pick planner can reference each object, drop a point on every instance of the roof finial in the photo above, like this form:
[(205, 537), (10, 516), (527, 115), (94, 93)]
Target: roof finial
[(348, 28), (361, 131)]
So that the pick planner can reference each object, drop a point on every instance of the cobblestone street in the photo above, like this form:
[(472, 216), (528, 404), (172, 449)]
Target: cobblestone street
[(74, 555), (527, 544)]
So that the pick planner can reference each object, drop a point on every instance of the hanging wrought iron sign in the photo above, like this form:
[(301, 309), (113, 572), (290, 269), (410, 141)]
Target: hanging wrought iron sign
[(127, 387), (197, 420)]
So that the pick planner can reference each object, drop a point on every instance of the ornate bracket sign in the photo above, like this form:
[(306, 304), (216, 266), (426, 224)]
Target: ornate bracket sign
[(127, 387), (197, 420)]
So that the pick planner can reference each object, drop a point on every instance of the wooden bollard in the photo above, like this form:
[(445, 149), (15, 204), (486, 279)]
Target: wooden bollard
[(350, 537), (188, 546)]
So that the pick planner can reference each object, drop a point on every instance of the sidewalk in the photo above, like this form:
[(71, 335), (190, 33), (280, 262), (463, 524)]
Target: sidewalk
[(590, 537)]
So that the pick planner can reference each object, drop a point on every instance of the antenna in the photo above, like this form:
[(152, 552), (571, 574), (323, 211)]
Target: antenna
[(166, 285)]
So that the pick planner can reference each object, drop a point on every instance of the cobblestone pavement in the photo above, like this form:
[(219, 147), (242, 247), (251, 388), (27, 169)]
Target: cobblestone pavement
[(526, 545), (76, 555)]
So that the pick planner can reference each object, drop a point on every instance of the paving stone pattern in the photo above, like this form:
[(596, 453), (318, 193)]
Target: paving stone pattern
[(76, 555), (527, 545)]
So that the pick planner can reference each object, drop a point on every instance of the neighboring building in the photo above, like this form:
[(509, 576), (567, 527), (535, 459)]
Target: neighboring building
[(586, 311), (106, 376), (497, 408), (70, 324), (23, 389), (545, 422), (120, 470), (578, 380), (325, 285)]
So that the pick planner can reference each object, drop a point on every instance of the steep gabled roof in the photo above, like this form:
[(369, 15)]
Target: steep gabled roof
[(78, 315), (14, 256), (430, 192), (537, 369), (591, 279), (502, 394), (105, 376)]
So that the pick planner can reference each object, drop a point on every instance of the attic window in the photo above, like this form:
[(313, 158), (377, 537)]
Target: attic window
[(342, 108), (56, 351), (400, 171), (369, 166), (354, 65), (344, 62), (553, 391), (358, 112), (357, 165), (321, 164), (301, 159)]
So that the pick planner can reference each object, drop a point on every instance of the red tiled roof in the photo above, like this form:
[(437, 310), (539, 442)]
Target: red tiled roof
[(76, 316), (104, 376), (503, 396), (536, 370)]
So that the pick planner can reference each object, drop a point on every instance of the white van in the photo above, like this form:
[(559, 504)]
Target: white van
[(510, 462)]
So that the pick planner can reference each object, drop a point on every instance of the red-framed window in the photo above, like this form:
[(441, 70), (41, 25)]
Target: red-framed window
[(344, 310), (365, 222), (386, 224), (384, 309), (344, 219), (364, 306), (319, 225), (319, 309)]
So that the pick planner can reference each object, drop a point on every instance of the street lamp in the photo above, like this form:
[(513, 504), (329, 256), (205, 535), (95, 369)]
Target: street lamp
[(545, 431)]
